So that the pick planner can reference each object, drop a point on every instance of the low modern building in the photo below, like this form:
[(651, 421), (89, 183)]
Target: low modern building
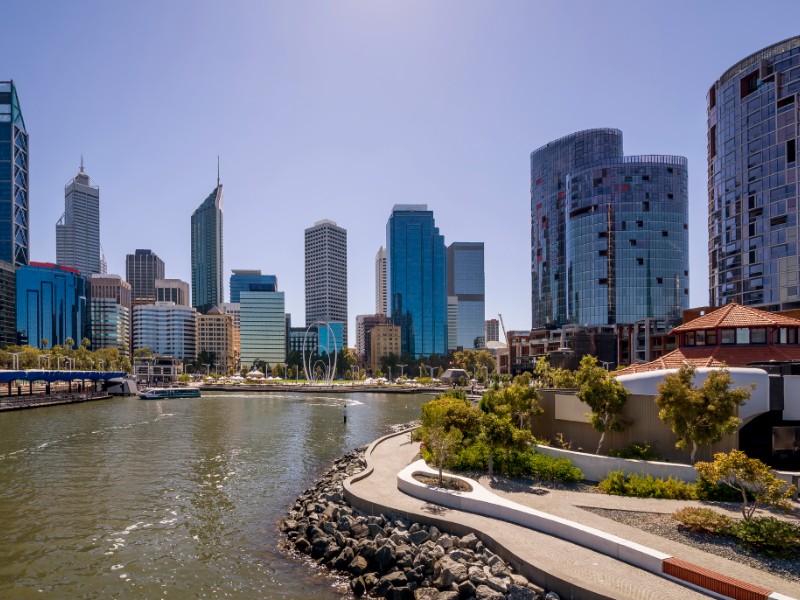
[(173, 290), (166, 328), (263, 328), (384, 341), (110, 309), (300, 337), (364, 324), (157, 370), (215, 335)]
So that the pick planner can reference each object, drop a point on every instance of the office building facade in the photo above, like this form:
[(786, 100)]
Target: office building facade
[(331, 337), (384, 341), (380, 282), (8, 304), (752, 180), (364, 324), (167, 329), (491, 330), (262, 320), (51, 305), (14, 195), (110, 312), (142, 269), (609, 233), (207, 257), (416, 280), (78, 229), (251, 280), (172, 290), (326, 274), (466, 282), (215, 337)]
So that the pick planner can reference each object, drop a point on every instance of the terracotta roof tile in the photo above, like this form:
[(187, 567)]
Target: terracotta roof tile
[(736, 315)]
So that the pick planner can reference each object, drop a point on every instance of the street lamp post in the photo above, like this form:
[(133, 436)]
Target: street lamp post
[(401, 370), (41, 358), (15, 360)]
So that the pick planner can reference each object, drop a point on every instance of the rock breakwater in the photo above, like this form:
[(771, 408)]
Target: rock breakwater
[(388, 556)]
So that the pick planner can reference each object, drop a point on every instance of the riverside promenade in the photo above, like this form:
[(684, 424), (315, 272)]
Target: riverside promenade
[(571, 570)]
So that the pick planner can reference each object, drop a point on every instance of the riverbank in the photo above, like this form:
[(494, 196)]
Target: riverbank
[(42, 400), (306, 388)]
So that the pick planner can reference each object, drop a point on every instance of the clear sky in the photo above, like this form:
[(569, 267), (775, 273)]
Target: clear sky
[(341, 109)]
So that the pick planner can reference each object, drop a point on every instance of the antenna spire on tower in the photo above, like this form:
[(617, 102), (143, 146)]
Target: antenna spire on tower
[(217, 170), (81, 163)]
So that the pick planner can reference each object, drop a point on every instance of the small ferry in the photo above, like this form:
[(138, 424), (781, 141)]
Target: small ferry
[(167, 393)]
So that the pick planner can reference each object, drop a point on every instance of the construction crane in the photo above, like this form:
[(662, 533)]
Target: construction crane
[(503, 325)]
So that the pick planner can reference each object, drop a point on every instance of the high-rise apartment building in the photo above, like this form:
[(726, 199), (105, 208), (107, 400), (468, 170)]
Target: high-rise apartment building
[(110, 309), (172, 290), (166, 328), (364, 324), (609, 233), (14, 206), (416, 279), (752, 180), (263, 328), (384, 341), (326, 274), (251, 280), (491, 330), (380, 282), (466, 281), (207, 273), (215, 337), (78, 229), (142, 269), (8, 304)]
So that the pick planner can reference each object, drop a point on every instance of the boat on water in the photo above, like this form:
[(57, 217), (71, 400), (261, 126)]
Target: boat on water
[(167, 393)]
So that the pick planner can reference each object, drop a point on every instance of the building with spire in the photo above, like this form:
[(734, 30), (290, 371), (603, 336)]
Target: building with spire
[(14, 228), (78, 229), (207, 277)]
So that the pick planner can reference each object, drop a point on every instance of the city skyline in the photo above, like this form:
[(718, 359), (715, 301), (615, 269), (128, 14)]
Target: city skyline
[(474, 178)]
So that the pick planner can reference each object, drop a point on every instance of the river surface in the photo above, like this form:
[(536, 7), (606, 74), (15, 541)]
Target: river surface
[(126, 498)]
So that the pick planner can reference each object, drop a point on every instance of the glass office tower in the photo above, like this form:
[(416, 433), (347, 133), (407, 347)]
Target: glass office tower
[(14, 228), (78, 230), (609, 233), (752, 180), (416, 279), (263, 328), (251, 280), (207, 278), (142, 269), (466, 283)]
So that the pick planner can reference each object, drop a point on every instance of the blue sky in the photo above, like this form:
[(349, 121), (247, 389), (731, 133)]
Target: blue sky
[(341, 109)]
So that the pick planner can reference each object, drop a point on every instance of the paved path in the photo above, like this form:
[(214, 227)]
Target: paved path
[(550, 557)]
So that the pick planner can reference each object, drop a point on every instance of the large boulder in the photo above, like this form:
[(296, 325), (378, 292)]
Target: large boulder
[(448, 571), (385, 557)]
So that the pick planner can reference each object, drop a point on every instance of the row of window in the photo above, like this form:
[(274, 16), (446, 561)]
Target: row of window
[(740, 335)]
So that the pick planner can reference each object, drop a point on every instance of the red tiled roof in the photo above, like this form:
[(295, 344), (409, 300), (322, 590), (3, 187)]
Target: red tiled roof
[(716, 356), (736, 315)]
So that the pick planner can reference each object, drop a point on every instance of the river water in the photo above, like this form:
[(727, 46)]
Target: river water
[(126, 498)]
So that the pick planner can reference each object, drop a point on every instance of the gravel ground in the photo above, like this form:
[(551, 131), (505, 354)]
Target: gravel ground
[(724, 546)]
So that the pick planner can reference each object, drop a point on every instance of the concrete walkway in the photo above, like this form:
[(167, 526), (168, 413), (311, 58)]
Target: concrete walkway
[(572, 571)]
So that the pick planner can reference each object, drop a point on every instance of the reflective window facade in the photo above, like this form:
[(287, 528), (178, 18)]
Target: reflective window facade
[(609, 233), (416, 279), (207, 259), (51, 305), (14, 230), (752, 180), (262, 324), (251, 281), (110, 313), (142, 269), (330, 337), (166, 328), (466, 281)]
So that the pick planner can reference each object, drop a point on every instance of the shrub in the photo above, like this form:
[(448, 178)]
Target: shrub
[(768, 535), (717, 492), (637, 451), (646, 486), (546, 467), (702, 520)]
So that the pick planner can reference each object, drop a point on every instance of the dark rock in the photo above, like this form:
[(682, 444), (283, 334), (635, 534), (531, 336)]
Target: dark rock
[(518, 592), (466, 589), (288, 524), (382, 589), (402, 593), (499, 569), (358, 586), (318, 546), (396, 578), (376, 530), (344, 559), (486, 593), (302, 545), (419, 537), (461, 555), (358, 565), (366, 548), (448, 571), (359, 531), (371, 579), (385, 557)]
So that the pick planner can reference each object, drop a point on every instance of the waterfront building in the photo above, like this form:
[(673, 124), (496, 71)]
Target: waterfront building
[(157, 370), (110, 309), (331, 337), (51, 305), (364, 324), (752, 180), (8, 304), (491, 330), (263, 328), (416, 280), (298, 336), (166, 328), (380, 282), (172, 290), (384, 341), (14, 195), (142, 269), (466, 282), (78, 229), (609, 233), (251, 280), (215, 337), (207, 256), (326, 274), (234, 310)]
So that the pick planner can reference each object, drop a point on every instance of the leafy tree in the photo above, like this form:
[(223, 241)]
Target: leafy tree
[(520, 400), (447, 421), (744, 474), (473, 360), (605, 395), (500, 435), (143, 352), (442, 443), (378, 373), (345, 361), (86, 343), (45, 343), (69, 343), (552, 377), (700, 415), (184, 378)]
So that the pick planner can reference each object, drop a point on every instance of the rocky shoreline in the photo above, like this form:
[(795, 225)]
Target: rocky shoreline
[(389, 557)]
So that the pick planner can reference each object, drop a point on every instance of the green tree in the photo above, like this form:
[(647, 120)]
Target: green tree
[(45, 343), (605, 395), (143, 352), (520, 400), (501, 436), (69, 343), (86, 343), (184, 378), (378, 374), (744, 474), (345, 361), (700, 415), (473, 361)]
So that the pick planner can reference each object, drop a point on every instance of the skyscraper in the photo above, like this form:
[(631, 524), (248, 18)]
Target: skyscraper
[(416, 279), (142, 268), (380, 282), (110, 310), (609, 233), (78, 229), (492, 330), (251, 280), (326, 274), (466, 283), (752, 180), (14, 224), (207, 276)]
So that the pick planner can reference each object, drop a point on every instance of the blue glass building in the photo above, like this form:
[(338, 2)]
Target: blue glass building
[(207, 255), (609, 233), (752, 180), (466, 288), (251, 281), (330, 337), (51, 305), (14, 230), (416, 280)]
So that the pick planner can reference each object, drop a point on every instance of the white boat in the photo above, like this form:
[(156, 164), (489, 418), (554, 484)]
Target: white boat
[(167, 393)]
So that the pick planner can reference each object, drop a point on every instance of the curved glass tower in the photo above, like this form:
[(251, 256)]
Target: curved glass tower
[(752, 180), (609, 233), (207, 279)]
